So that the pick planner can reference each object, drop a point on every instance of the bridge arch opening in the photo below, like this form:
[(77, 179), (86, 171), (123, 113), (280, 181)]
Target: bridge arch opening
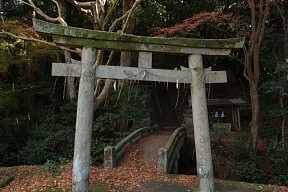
[(187, 160)]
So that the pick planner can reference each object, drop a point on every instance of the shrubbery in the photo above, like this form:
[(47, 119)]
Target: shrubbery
[(248, 170), (51, 136), (278, 163)]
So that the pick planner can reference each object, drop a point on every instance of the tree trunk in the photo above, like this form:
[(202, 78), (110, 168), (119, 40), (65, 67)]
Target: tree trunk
[(282, 106), (252, 73), (283, 131), (70, 81), (286, 42), (84, 122), (31, 93), (255, 118), (125, 59), (70, 91)]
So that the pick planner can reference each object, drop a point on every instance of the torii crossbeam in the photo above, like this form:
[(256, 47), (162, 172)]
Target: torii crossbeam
[(91, 40)]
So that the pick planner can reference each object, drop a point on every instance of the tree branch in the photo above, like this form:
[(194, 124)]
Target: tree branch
[(94, 10), (40, 12), (131, 13), (128, 15), (111, 28), (40, 41), (108, 16), (83, 9)]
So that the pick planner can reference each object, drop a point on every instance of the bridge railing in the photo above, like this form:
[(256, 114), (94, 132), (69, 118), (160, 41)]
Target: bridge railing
[(169, 155), (113, 154)]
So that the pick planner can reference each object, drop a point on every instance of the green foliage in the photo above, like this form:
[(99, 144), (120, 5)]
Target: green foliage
[(274, 90), (129, 103), (55, 166), (270, 133), (6, 55), (106, 123), (276, 85), (270, 167), (244, 168), (240, 147), (113, 121), (278, 165), (97, 149), (13, 124), (9, 101), (248, 170), (51, 138)]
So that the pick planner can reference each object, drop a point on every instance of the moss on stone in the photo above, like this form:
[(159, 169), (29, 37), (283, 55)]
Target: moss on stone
[(125, 40)]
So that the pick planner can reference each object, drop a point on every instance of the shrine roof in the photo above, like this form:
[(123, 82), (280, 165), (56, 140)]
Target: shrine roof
[(225, 102)]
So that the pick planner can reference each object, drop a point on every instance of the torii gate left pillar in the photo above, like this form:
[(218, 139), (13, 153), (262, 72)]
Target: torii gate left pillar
[(84, 118), (195, 48)]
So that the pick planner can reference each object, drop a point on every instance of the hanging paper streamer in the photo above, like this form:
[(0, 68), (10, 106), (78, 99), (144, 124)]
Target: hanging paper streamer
[(144, 74), (177, 84), (115, 86), (216, 114), (222, 114)]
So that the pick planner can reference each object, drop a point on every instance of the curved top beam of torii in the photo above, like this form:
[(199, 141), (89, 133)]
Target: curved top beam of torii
[(79, 37)]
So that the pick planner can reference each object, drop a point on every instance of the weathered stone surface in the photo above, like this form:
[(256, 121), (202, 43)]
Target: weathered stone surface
[(109, 157), (140, 74), (84, 123), (80, 37), (201, 126)]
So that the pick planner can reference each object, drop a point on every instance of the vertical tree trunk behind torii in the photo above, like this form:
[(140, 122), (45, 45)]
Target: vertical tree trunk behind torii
[(84, 121), (70, 88), (252, 73), (125, 59)]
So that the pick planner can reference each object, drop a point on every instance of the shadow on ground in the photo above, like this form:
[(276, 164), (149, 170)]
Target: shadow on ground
[(220, 186)]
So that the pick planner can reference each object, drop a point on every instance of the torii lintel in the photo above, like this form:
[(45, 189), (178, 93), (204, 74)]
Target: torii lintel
[(79, 37)]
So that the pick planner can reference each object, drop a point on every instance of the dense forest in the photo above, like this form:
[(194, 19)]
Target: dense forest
[(38, 111)]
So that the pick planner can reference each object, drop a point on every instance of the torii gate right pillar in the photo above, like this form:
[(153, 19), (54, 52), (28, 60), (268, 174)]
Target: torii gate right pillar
[(201, 127)]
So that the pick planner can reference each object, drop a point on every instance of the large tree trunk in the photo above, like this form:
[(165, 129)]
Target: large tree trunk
[(282, 106), (70, 81), (125, 59), (281, 10), (70, 88), (259, 15), (31, 93), (286, 42), (255, 117)]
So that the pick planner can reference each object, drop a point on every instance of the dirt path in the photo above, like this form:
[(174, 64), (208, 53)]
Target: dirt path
[(152, 143)]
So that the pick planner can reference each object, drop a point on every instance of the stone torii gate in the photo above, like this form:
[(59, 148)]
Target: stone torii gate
[(90, 40)]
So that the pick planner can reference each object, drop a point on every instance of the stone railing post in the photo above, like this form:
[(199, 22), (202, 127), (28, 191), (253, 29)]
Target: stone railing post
[(109, 157), (162, 160)]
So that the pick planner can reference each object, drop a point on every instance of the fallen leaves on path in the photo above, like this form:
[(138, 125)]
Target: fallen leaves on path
[(33, 178), (133, 171), (130, 175)]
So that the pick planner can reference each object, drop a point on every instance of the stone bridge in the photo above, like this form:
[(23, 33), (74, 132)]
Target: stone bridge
[(162, 146)]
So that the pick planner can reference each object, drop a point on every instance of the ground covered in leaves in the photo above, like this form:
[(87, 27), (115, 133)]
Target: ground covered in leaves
[(132, 175)]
